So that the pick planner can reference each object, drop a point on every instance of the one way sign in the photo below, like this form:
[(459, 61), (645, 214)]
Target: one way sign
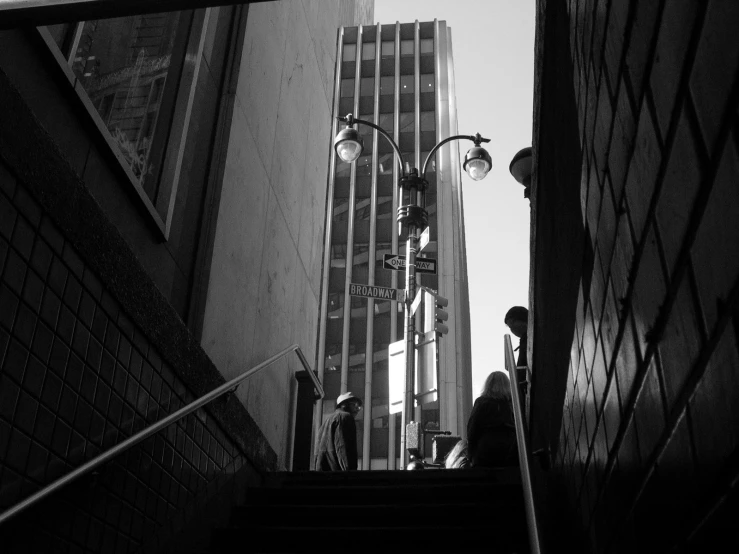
[(396, 262)]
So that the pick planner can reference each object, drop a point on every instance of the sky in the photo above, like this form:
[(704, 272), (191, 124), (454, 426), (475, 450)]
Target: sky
[(493, 47)]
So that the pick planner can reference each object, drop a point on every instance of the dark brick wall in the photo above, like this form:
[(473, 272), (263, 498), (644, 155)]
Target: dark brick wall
[(77, 377), (648, 449), (91, 352)]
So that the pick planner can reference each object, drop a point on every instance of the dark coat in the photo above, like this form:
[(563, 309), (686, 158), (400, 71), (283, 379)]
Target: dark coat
[(337, 443), (491, 436)]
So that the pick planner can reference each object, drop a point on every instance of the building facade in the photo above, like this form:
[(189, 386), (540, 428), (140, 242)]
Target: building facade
[(401, 78), (162, 211)]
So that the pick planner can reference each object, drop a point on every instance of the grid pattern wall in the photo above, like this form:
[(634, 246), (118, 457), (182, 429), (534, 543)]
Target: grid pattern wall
[(78, 377), (649, 443)]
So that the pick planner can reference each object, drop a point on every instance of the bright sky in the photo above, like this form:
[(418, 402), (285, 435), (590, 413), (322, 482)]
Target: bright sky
[(493, 46)]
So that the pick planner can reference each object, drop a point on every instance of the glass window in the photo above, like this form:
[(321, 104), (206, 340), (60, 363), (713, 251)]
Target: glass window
[(368, 51), (366, 132), (123, 65), (407, 122), (431, 166), (427, 46), (386, 163), (367, 86), (386, 122), (427, 82), (62, 34), (350, 53), (347, 88), (364, 166), (428, 122), (407, 84), (387, 85), (387, 48), (406, 47)]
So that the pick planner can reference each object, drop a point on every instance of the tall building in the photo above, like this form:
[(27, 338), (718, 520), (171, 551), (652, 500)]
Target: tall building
[(400, 77)]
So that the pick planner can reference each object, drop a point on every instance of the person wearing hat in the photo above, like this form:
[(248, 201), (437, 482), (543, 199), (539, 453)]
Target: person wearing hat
[(336, 449)]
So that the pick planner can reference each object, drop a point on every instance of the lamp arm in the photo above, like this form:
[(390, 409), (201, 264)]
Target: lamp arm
[(349, 119), (477, 139)]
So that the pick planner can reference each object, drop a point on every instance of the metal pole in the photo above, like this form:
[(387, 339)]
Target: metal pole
[(523, 451), (410, 337)]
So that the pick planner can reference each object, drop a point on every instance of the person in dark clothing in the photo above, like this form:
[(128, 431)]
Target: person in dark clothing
[(517, 320), (337, 439), (491, 435)]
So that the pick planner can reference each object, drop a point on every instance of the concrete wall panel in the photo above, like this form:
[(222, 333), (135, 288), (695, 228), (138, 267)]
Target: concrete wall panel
[(265, 283)]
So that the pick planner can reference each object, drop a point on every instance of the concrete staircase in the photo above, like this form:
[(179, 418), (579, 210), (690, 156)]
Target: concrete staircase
[(449, 511)]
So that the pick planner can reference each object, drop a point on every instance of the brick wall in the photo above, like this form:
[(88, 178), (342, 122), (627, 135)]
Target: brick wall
[(91, 352), (649, 440), (77, 377)]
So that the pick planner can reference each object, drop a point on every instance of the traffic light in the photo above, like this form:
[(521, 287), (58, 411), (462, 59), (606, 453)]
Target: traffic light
[(441, 315)]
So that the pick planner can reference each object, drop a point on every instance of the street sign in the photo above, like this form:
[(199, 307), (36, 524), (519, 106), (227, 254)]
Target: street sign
[(396, 262), (424, 240), (380, 293), (426, 265)]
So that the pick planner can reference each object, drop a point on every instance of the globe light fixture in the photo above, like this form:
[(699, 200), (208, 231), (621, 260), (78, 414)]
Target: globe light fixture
[(477, 162), (348, 144)]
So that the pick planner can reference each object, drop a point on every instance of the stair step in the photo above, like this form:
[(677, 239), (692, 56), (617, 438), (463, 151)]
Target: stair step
[(509, 475), (387, 540), (371, 496), (390, 515)]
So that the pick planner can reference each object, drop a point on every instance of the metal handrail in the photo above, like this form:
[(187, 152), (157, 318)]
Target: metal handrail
[(154, 428), (523, 452)]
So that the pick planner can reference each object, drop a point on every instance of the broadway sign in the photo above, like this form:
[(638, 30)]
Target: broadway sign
[(370, 291)]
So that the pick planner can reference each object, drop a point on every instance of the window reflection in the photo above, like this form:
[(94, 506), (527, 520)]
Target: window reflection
[(428, 121), (427, 82), (368, 51), (123, 65), (387, 85), (386, 122), (364, 166), (388, 49), (347, 88), (386, 163), (407, 84), (407, 122), (367, 86), (350, 53)]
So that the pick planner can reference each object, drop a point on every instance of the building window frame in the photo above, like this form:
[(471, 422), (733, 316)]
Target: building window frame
[(171, 131)]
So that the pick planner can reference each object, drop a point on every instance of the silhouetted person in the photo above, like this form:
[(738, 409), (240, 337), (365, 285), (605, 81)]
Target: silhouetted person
[(517, 320), (491, 436), (337, 440), (458, 457)]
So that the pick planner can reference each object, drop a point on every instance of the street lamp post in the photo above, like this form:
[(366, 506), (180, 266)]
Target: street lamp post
[(413, 217)]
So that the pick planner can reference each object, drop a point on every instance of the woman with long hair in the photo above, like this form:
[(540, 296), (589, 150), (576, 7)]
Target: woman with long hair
[(458, 457), (491, 436)]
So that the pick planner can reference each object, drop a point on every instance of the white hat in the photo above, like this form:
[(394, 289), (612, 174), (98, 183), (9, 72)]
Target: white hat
[(346, 397)]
